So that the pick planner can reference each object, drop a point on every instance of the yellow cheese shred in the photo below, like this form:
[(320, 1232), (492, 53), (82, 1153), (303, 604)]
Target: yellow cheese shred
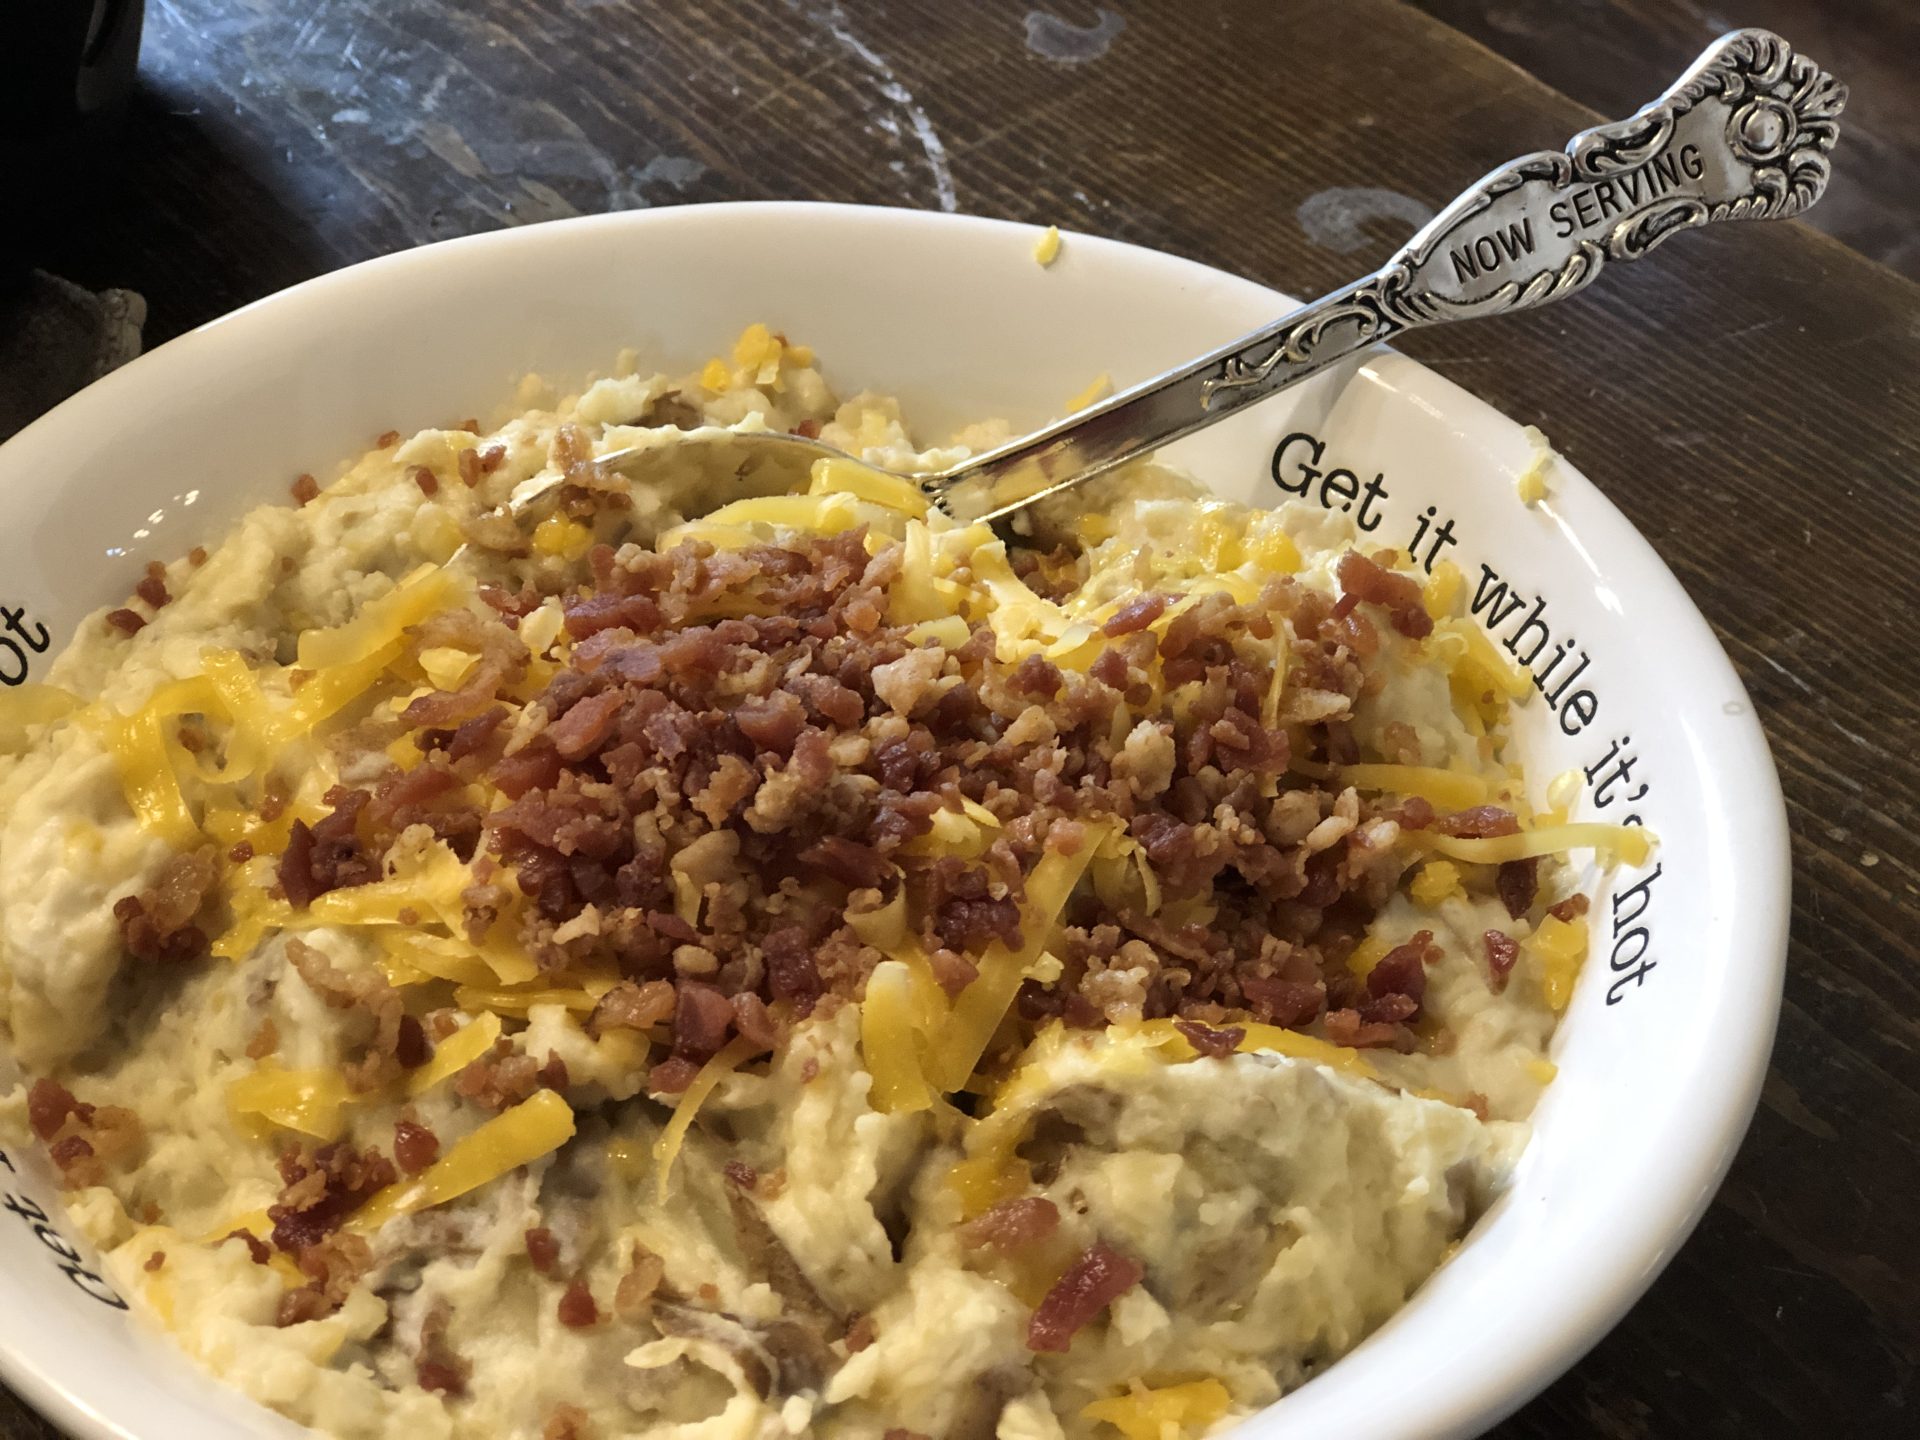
[(1167, 1413), (1438, 880), (1559, 946), (818, 514), (889, 1041), (28, 705), (456, 1052), (416, 958), (847, 477), (979, 1008), (310, 1101), (537, 1126), (139, 749), (667, 1148), (259, 1224), (1290, 1043), (1447, 789), (1631, 844), (381, 622)]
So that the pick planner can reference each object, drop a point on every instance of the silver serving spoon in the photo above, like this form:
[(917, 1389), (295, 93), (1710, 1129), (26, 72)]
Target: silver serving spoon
[(1742, 135)]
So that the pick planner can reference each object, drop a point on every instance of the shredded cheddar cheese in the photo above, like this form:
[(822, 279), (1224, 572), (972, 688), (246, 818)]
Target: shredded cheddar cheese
[(456, 1052), (31, 704), (667, 1148), (844, 477), (1436, 881), (1046, 249), (1560, 947), (979, 1009), (310, 1101), (1446, 789), (381, 622), (1167, 1413), (889, 1039), (537, 1126), (1630, 844), (1291, 1043)]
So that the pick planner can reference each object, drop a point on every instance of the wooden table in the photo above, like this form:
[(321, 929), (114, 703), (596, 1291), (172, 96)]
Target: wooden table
[(1749, 399)]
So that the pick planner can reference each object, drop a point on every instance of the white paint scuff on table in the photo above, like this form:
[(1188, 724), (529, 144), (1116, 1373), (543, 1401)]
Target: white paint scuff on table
[(832, 19)]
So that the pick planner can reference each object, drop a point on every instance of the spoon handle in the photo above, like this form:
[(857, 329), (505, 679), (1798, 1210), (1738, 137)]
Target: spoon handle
[(1742, 135)]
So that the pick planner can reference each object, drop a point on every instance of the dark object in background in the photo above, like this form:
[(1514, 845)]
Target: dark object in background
[(66, 68), (56, 338)]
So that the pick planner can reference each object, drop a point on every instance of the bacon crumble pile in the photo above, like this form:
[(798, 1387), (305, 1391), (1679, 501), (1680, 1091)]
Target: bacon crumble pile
[(747, 727)]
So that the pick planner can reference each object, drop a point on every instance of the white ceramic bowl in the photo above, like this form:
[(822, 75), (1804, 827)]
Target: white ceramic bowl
[(1662, 1053)]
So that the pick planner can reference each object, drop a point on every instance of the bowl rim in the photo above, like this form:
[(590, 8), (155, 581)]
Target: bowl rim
[(1683, 1190)]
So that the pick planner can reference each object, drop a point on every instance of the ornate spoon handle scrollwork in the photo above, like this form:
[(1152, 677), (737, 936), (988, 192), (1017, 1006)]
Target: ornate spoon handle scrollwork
[(1743, 135)]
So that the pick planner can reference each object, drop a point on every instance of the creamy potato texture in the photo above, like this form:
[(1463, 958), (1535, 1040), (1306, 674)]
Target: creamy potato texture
[(427, 1152)]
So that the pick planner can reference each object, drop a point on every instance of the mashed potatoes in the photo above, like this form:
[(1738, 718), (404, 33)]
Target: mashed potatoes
[(672, 965)]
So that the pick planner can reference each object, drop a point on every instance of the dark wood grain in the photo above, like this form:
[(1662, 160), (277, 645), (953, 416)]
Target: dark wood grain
[(1613, 54), (1748, 398)]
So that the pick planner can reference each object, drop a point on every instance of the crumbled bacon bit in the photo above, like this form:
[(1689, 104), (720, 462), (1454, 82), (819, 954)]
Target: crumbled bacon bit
[(333, 1265), (469, 467), (1399, 595), (808, 428), (577, 1310), (328, 855), (1569, 909), (157, 924), (321, 1189), (304, 488), (154, 1261), (702, 1018), (1517, 882), (197, 556), (1013, 1224), (672, 1075), (411, 1046), (436, 1366), (1403, 970), (423, 476), (127, 622), (1136, 614), (637, 1287), (741, 1174), (386, 439), (862, 1331), (153, 585), (1100, 1276), (1217, 1043), (264, 1040), (415, 1147), (1482, 822), (49, 1104), (568, 1422), (1503, 951), (543, 1250), (258, 1249), (1350, 1028), (492, 458), (632, 1006), (500, 1078), (79, 1166)]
